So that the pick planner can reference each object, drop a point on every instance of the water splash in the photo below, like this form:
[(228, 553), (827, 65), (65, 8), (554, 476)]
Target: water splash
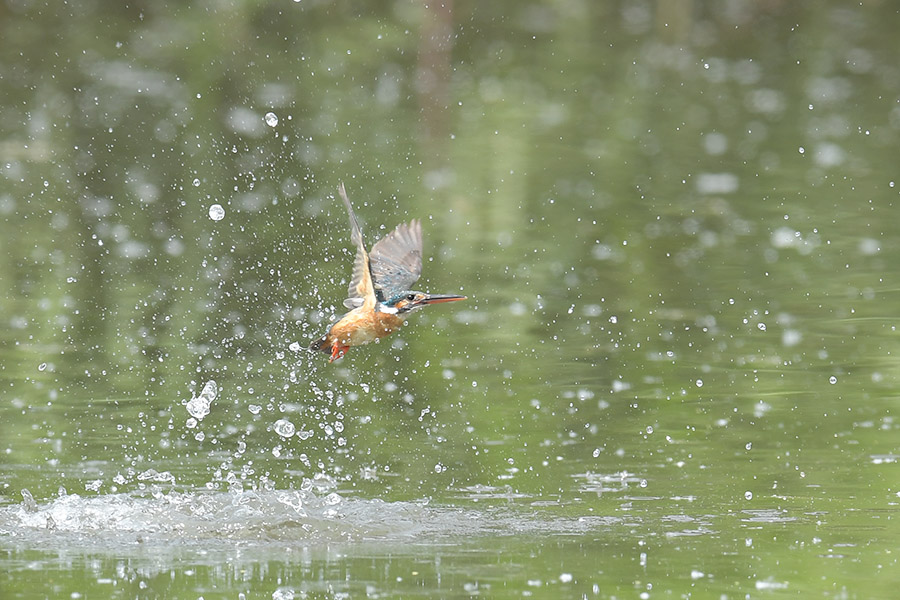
[(315, 514), (199, 406)]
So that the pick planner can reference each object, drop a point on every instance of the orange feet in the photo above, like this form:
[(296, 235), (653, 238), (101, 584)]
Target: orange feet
[(337, 351)]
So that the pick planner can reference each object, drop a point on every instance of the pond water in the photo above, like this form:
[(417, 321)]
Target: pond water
[(675, 375)]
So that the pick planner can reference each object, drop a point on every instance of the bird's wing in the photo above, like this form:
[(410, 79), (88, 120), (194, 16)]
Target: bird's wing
[(361, 290), (396, 260)]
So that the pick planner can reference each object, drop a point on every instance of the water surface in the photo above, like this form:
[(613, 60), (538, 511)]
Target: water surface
[(675, 375)]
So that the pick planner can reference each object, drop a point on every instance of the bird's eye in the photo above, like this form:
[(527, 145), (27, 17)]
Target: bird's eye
[(411, 297)]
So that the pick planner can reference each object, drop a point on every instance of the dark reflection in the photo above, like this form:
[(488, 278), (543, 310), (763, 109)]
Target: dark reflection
[(434, 73)]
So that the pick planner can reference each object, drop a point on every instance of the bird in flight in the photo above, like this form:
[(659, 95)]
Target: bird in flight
[(379, 292)]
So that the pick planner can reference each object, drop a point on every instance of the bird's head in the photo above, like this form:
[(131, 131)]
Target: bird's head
[(407, 301)]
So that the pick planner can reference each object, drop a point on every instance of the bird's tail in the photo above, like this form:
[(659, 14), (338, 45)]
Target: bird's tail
[(321, 345)]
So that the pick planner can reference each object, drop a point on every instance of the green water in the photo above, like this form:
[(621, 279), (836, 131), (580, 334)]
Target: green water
[(675, 375)]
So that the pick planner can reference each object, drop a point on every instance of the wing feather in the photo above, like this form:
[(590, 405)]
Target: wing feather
[(361, 289), (396, 260)]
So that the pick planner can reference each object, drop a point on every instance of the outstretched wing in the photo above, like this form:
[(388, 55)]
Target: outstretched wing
[(361, 290), (396, 260)]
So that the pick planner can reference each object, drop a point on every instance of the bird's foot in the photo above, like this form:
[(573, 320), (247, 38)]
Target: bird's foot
[(337, 351)]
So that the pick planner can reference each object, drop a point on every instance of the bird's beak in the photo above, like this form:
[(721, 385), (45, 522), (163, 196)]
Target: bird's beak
[(437, 299)]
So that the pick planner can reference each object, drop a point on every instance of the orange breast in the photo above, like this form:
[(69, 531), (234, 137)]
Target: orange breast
[(360, 327)]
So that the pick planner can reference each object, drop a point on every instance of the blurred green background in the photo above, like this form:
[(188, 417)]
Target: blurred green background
[(675, 221)]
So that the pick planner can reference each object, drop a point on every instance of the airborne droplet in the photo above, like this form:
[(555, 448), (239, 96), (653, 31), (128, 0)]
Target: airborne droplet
[(284, 428)]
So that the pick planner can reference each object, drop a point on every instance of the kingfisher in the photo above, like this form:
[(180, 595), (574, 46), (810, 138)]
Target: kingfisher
[(379, 292)]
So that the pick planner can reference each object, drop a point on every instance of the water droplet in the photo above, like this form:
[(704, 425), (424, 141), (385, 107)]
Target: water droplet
[(832, 380), (749, 446), (284, 428), (255, 408), (210, 390), (216, 212), (42, 366), (761, 326), (271, 119), (699, 383), (196, 182), (748, 495), (198, 407)]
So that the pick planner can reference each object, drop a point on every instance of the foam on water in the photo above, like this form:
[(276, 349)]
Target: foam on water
[(219, 519)]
